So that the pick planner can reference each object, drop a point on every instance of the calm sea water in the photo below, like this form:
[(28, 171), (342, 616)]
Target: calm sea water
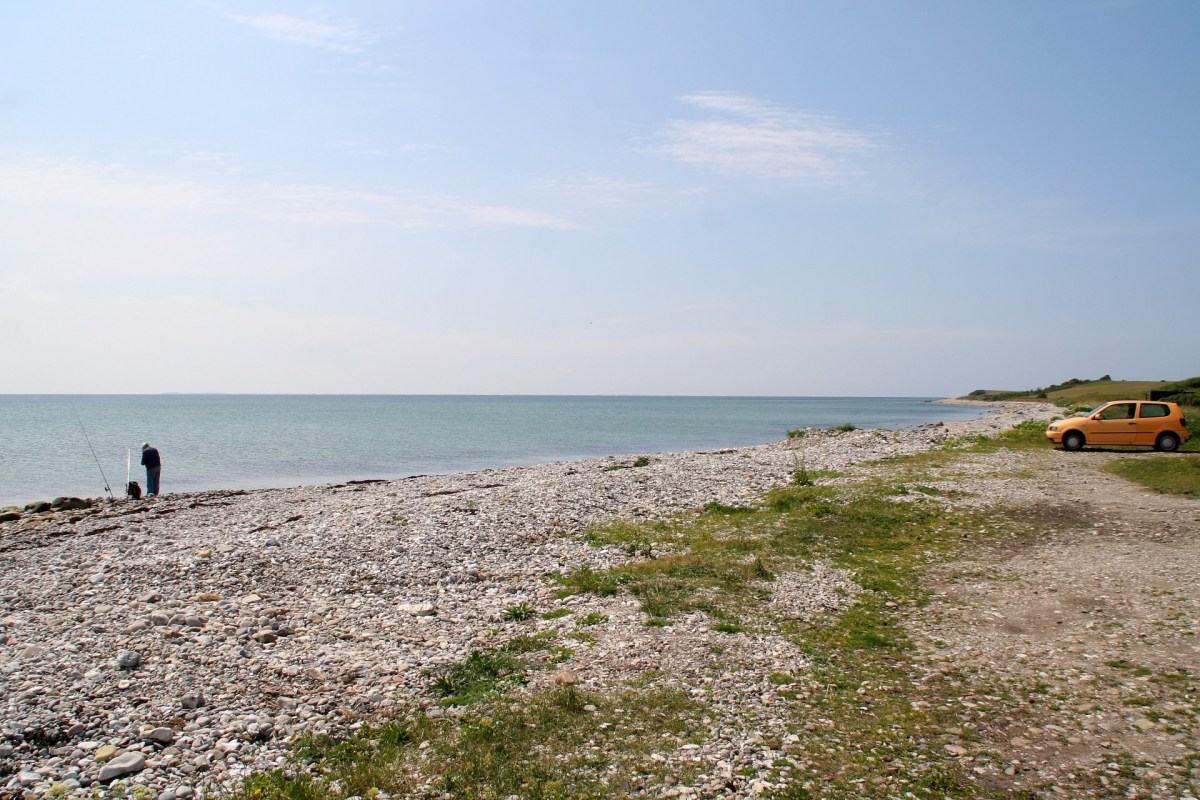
[(260, 441)]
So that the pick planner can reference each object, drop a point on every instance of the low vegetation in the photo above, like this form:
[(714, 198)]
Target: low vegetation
[(1076, 392), (560, 744), (1186, 392), (1170, 474), (638, 463)]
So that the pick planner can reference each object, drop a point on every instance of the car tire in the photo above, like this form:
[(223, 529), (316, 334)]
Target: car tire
[(1166, 443), (1073, 441)]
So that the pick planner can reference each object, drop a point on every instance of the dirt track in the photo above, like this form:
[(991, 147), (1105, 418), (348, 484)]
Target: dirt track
[(1072, 648)]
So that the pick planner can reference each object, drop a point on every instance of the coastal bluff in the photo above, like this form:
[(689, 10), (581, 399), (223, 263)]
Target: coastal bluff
[(184, 641)]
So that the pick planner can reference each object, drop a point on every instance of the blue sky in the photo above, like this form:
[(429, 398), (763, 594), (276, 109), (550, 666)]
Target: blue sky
[(744, 198)]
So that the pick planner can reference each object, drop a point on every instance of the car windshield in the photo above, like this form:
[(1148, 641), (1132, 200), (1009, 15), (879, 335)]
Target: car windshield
[(1096, 410)]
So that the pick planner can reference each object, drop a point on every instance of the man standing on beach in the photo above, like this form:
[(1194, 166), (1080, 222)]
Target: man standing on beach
[(153, 465)]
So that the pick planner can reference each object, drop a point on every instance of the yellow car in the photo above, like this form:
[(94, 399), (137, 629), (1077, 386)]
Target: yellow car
[(1152, 423)]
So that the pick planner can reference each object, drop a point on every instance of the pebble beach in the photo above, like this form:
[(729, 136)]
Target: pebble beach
[(183, 642)]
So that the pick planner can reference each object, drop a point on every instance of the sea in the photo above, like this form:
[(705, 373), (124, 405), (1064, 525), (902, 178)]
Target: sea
[(86, 445)]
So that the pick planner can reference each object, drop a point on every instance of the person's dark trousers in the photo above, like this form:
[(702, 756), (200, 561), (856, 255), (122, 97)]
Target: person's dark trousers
[(152, 480)]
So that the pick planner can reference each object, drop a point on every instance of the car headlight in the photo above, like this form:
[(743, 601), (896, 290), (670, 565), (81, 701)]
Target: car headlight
[(1053, 427)]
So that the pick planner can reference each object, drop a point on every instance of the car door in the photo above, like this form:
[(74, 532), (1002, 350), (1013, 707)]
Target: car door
[(1116, 423), (1152, 419)]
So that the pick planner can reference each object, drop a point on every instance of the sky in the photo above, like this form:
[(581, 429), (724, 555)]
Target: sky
[(679, 197)]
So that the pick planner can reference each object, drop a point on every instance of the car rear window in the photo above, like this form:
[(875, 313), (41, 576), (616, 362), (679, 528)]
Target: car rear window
[(1155, 410)]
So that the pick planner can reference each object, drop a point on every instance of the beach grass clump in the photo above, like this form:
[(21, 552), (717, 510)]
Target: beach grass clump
[(803, 476), (845, 427), (520, 612), (800, 475), (483, 674), (637, 463)]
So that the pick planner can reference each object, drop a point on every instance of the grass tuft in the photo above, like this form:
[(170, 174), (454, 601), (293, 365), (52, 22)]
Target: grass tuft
[(520, 612)]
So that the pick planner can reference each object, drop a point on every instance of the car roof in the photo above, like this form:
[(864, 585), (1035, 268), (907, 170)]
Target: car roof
[(1143, 400)]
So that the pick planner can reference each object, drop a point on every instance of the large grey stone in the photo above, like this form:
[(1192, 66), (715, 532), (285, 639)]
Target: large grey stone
[(161, 735), (69, 503), (124, 764), (192, 700)]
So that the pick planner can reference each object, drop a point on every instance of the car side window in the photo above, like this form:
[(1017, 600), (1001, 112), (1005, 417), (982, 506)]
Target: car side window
[(1155, 410), (1118, 411)]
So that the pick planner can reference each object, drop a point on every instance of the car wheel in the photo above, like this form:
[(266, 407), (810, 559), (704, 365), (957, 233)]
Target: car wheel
[(1073, 441), (1166, 443)]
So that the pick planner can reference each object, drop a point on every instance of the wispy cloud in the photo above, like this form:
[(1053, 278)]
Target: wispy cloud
[(51, 182), (67, 218), (338, 37), (600, 189), (501, 216), (748, 137)]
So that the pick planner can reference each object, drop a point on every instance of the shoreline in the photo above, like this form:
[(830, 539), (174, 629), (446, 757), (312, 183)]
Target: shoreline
[(259, 615), (259, 483)]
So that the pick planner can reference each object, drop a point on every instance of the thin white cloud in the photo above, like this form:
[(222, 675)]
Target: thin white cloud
[(500, 216), (744, 136), (337, 37), (80, 225), (52, 190), (600, 189)]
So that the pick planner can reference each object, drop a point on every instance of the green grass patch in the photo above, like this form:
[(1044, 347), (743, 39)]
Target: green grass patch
[(1093, 393), (1028, 435), (637, 463), (724, 561), (1162, 472), (1075, 392), (555, 745), (720, 509), (486, 673), (634, 538)]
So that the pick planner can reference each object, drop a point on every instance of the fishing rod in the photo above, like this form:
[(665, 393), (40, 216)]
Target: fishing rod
[(89, 442)]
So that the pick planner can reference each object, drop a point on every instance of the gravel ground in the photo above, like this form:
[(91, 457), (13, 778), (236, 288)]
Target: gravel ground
[(182, 642)]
